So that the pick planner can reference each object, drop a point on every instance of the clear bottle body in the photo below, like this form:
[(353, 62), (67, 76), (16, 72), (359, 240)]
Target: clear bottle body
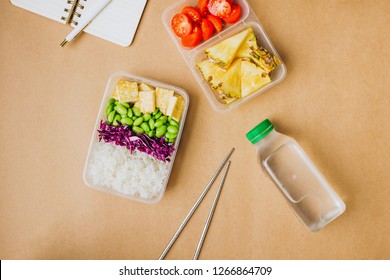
[(308, 193)]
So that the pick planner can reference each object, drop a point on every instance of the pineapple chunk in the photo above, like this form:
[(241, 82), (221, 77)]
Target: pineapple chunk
[(162, 99), (264, 59), (225, 51), (231, 81), (147, 101), (212, 72), (144, 87), (260, 56), (175, 107), (252, 77), (126, 91), (248, 45)]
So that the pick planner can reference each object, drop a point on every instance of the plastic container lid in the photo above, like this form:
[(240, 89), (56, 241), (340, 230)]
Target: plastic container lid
[(260, 131)]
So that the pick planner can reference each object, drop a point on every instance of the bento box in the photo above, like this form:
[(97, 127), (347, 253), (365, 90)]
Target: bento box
[(248, 48), (136, 137)]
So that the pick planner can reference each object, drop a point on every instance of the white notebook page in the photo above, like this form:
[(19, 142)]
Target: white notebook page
[(117, 23)]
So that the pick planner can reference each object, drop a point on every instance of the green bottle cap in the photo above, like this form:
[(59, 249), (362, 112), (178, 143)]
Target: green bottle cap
[(260, 131)]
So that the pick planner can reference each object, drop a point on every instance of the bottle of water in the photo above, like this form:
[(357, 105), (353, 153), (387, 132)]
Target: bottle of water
[(308, 193)]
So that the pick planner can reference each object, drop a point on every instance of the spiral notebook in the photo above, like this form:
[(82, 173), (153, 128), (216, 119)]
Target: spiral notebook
[(117, 23)]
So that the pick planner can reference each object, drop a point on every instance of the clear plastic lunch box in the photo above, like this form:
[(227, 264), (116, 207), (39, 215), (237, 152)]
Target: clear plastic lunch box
[(101, 116), (196, 54)]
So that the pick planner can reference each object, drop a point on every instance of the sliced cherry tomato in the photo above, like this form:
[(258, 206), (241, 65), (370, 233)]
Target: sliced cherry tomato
[(202, 6), (207, 29), (193, 39), (216, 21), (234, 15), (230, 2), (181, 25), (219, 8), (192, 13)]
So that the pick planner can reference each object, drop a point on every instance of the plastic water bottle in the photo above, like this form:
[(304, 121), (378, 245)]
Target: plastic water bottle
[(308, 193)]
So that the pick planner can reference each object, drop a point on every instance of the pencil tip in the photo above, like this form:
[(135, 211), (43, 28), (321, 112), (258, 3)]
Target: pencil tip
[(64, 43)]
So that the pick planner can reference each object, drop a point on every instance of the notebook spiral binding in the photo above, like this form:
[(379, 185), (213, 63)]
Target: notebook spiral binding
[(72, 11)]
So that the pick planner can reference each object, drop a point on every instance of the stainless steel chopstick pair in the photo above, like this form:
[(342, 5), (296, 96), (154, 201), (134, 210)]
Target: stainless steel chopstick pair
[(195, 206)]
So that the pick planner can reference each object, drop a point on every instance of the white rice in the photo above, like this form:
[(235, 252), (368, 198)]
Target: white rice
[(129, 174)]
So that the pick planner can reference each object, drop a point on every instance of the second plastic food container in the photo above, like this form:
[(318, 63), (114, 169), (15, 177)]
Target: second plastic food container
[(107, 156)]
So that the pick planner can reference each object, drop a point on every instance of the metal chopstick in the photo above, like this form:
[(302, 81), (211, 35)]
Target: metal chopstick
[(195, 206), (211, 213)]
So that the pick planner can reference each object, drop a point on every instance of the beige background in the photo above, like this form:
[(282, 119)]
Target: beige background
[(334, 101)]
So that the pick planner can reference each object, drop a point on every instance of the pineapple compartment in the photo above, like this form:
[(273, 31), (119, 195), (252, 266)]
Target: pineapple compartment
[(237, 66)]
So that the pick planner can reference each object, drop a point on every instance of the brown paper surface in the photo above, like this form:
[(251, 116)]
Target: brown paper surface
[(334, 101)]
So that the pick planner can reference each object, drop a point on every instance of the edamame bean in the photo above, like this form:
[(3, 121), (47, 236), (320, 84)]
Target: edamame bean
[(158, 123), (111, 101), (111, 116), (127, 121), (129, 113), (173, 129), (171, 140), (138, 121), (174, 123), (155, 111), (109, 109), (145, 127), (147, 117), (136, 111), (137, 129), (134, 118), (156, 116), (151, 133), (151, 124), (116, 120), (125, 104), (163, 118), (170, 135), (120, 109), (160, 131)]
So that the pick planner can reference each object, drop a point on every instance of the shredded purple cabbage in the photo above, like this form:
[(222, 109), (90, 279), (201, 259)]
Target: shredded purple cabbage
[(124, 136)]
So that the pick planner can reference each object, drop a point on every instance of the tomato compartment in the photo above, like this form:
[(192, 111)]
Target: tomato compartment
[(186, 14)]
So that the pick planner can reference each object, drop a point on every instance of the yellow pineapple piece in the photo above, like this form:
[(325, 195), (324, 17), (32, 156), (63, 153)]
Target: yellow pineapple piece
[(249, 44), (264, 59), (225, 51), (259, 55), (253, 77), (231, 81), (212, 72)]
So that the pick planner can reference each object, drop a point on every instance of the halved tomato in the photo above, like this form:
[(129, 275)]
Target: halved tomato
[(202, 6), (181, 25), (234, 15), (219, 8), (216, 21), (207, 29), (192, 39), (192, 13)]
